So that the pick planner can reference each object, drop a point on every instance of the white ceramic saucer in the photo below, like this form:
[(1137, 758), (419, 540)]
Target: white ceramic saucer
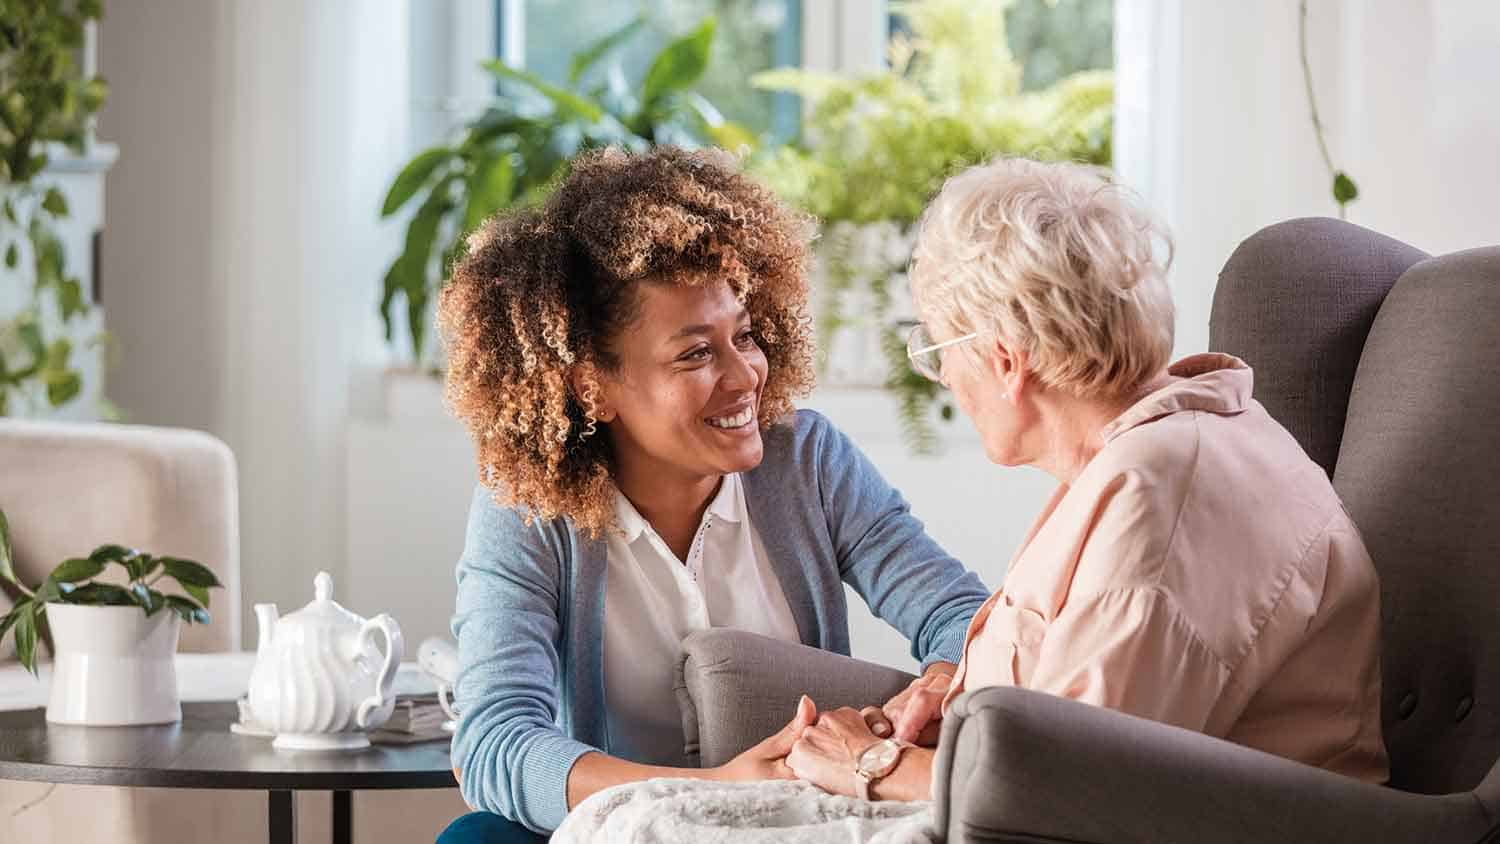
[(321, 741), (255, 730)]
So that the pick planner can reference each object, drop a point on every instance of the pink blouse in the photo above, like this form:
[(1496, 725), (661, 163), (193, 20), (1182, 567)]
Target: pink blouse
[(1200, 571)]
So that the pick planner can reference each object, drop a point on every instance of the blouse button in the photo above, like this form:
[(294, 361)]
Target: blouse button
[(1408, 705), (1464, 706)]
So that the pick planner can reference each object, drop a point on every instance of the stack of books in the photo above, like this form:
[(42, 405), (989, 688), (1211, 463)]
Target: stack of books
[(416, 718)]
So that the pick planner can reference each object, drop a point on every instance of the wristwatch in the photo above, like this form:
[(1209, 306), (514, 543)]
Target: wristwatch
[(875, 763)]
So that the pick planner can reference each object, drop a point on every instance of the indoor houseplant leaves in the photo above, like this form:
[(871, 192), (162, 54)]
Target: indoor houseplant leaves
[(875, 148), (45, 105), (76, 581), (512, 152)]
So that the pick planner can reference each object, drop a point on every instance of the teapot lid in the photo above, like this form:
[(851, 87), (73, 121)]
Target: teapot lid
[(323, 609)]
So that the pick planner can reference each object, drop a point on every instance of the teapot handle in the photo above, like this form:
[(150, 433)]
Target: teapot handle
[(395, 648)]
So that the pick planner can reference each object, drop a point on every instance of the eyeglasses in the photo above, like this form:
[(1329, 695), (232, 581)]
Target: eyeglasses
[(920, 348)]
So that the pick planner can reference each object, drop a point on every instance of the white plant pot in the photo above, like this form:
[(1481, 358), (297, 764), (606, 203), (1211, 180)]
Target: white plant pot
[(114, 666)]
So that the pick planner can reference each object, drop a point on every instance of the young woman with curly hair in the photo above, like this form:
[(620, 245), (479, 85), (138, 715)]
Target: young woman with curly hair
[(625, 358)]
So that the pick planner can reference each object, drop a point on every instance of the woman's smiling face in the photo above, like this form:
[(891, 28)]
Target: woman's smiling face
[(684, 402)]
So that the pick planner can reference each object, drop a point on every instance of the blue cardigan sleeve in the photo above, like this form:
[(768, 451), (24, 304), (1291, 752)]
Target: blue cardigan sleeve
[(512, 757), (884, 552)]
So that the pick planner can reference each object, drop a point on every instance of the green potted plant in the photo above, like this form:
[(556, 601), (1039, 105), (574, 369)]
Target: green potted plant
[(512, 152), (113, 641), (46, 103), (876, 147)]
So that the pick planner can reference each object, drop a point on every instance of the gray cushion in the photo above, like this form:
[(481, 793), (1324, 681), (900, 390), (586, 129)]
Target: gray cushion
[(736, 688), (1018, 765), (1419, 471), (1295, 301)]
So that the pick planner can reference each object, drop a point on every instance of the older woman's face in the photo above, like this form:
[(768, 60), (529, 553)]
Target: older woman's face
[(687, 394), (975, 374)]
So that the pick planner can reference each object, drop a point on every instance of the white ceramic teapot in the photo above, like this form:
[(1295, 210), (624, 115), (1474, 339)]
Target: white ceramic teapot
[(319, 681)]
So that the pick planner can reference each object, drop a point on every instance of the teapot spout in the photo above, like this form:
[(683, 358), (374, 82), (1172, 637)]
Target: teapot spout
[(265, 617)]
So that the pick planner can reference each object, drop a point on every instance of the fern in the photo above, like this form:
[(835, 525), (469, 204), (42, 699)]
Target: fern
[(877, 147)]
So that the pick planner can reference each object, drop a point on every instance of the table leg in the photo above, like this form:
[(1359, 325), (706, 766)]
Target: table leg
[(282, 817), (343, 818)]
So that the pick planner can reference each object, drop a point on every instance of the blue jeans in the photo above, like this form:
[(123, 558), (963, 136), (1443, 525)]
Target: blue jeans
[(488, 828)]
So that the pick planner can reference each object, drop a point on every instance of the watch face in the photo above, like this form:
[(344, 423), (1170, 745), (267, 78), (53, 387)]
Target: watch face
[(879, 758)]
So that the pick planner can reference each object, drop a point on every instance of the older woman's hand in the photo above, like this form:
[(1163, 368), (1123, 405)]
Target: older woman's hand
[(825, 754), (915, 715)]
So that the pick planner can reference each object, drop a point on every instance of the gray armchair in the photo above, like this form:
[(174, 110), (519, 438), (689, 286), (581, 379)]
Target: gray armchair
[(1382, 362)]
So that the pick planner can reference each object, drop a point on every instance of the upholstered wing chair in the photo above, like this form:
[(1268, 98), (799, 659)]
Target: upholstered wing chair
[(1382, 362)]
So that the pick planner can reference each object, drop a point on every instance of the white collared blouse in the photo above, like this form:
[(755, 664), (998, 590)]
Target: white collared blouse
[(652, 600)]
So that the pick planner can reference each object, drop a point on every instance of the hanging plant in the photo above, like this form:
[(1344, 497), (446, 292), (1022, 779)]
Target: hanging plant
[(1344, 189), (44, 101)]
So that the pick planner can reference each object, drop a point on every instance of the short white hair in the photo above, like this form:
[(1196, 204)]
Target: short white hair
[(1056, 259)]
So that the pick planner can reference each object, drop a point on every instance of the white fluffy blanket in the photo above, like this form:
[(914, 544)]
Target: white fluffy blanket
[(673, 811)]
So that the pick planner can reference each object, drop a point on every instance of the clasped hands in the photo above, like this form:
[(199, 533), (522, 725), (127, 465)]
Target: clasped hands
[(823, 748)]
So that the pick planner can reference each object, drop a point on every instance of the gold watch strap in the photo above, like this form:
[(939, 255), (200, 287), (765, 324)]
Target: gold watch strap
[(864, 782)]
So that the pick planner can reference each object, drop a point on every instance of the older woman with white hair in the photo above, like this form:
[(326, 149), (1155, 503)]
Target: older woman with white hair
[(1193, 567)]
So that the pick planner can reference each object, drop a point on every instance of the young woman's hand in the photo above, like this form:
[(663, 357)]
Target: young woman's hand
[(915, 715), (767, 760)]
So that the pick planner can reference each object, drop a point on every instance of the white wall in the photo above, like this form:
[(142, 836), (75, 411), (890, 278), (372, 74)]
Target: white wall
[(1219, 139), (1421, 119), (158, 281), (243, 252)]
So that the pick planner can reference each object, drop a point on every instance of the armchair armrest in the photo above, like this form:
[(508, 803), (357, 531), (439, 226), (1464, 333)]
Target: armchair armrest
[(1015, 764), (736, 688)]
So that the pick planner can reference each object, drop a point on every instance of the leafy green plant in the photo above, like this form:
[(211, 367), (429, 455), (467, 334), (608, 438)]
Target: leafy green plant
[(45, 101), (1344, 189), (75, 581), (513, 152), (876, 147)]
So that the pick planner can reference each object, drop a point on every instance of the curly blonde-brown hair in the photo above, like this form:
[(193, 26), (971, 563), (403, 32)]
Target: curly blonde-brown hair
[(534, 306)]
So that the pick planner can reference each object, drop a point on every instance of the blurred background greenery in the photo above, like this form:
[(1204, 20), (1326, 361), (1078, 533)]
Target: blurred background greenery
[(863, 151)]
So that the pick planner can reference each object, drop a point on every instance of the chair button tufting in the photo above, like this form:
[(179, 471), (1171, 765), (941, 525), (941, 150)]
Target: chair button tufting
[(1408, 705), (1463, 709)]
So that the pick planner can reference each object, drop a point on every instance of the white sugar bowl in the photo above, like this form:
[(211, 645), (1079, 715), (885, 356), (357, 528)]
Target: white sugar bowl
[(319, 681)]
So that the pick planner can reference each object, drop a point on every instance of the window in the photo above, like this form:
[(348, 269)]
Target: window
[(750, 35), (1053, 38)]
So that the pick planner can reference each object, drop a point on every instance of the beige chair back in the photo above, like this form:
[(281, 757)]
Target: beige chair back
[(67, 488)]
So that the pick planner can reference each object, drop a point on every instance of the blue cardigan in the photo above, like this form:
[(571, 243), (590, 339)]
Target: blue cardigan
[(530, 611)]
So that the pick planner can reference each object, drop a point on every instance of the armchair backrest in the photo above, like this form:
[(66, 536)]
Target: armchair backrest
[(67, 488), (1381, 362), (1295, 301), (1419, 472)]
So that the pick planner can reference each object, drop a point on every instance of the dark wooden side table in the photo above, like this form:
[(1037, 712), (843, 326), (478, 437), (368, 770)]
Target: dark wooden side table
[(201, 752)]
